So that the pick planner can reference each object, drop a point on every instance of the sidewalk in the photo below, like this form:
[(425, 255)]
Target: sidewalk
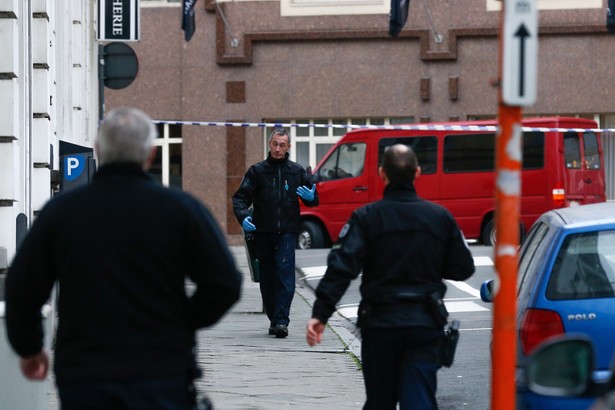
[(245, 368)]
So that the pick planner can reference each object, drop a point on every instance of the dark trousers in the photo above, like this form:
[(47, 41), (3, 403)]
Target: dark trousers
[(174, 393), (276, 257), (400, 365)]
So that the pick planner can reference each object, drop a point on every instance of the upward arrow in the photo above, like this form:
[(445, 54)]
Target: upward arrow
[(522, 33)]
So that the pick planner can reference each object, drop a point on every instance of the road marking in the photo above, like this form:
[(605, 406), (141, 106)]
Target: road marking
[(350, 311), (482, 261), (465, 288), (314, 272), (317, 272), (467, 306)]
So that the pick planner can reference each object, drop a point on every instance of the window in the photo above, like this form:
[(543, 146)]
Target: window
[(476, 152), (469, 153), (335, 8), (167, 166), (528, 254), (572, 150), (160, 3), (584, 267), (346, 162), (533, 150), (592, 154), (425, 148)]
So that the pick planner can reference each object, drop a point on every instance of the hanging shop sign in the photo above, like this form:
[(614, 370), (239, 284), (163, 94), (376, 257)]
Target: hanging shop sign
[(118, 20)]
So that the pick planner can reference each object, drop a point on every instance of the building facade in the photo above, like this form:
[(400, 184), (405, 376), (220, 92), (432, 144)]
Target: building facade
[(320, 62), (303, 62), (48, 94)]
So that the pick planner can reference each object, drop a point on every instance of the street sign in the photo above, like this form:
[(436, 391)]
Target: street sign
[(77, 165), (118, 20), (520, 43), (121, 65), (74, 166)]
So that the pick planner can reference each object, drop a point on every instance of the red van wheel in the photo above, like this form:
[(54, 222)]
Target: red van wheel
[(310, 236), (488, 234)]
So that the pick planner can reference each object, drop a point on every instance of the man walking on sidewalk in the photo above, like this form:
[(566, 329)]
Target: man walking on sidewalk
[(272, 187), (121, 249), (405, 247)]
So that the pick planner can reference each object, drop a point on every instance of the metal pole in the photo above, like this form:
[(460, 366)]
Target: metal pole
[(508, 189), (101, 82)]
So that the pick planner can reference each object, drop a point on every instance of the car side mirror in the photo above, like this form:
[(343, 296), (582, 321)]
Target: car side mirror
[(561, 367), (313, 175), (486, 291)]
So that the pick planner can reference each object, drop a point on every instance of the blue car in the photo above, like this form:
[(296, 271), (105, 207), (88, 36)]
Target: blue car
[(566, 284)]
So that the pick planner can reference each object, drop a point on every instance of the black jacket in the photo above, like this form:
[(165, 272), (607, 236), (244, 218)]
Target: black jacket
[(404, 245), (270, 186), (121, 249)]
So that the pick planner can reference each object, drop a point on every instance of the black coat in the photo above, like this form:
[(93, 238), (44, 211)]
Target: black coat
[(121, 249), (270, 186), (403, 245)]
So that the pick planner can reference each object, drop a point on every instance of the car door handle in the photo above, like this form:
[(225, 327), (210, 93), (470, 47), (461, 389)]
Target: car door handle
[(588, 180), (359, 188)]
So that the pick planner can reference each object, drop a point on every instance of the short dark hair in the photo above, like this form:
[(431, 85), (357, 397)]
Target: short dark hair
[(399, 163)]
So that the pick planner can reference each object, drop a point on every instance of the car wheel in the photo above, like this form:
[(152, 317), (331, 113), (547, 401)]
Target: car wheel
[(310, 236), (488, 234)]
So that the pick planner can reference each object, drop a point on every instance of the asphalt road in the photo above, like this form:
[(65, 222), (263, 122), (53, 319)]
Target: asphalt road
[(466, 383)]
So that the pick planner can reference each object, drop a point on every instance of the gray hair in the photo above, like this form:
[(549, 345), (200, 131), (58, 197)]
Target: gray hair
[(125, 135), (279, 131)]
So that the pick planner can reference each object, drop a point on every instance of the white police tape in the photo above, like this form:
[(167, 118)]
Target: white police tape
[(416, 127)]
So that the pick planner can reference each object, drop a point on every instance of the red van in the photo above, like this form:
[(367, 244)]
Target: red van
[(562, 166)]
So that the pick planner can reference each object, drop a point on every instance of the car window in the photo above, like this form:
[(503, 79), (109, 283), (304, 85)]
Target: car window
[(347, 161), (572, 150), (425, 148), (592, 154), (584, 267), (533, 150), (469, 153), (529, 255)]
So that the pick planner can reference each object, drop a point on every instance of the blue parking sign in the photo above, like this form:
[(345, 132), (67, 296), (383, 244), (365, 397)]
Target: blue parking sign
[(74, 166)]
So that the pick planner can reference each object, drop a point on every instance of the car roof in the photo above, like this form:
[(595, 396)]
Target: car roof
[(585, 215), (548, 122)]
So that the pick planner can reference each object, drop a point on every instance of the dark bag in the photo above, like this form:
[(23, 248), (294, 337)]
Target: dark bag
[(204, 404), (448, 344), (437, 308)]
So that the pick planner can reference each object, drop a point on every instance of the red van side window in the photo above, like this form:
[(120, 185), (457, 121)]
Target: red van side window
[(572, 150), (592, 155), (425, 148)]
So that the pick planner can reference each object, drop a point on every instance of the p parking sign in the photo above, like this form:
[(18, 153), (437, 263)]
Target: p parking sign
[(77, 165), (74, 166)]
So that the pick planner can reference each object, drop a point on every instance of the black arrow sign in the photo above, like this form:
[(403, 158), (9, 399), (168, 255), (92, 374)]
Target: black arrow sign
[(522, 33)]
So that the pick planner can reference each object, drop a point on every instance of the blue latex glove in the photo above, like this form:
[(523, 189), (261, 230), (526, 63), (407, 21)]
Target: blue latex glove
[(247, 224), (306, 193)]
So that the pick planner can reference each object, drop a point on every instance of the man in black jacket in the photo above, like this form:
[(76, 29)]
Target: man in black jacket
[(405, 247), (272, 188), (121, 249)]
